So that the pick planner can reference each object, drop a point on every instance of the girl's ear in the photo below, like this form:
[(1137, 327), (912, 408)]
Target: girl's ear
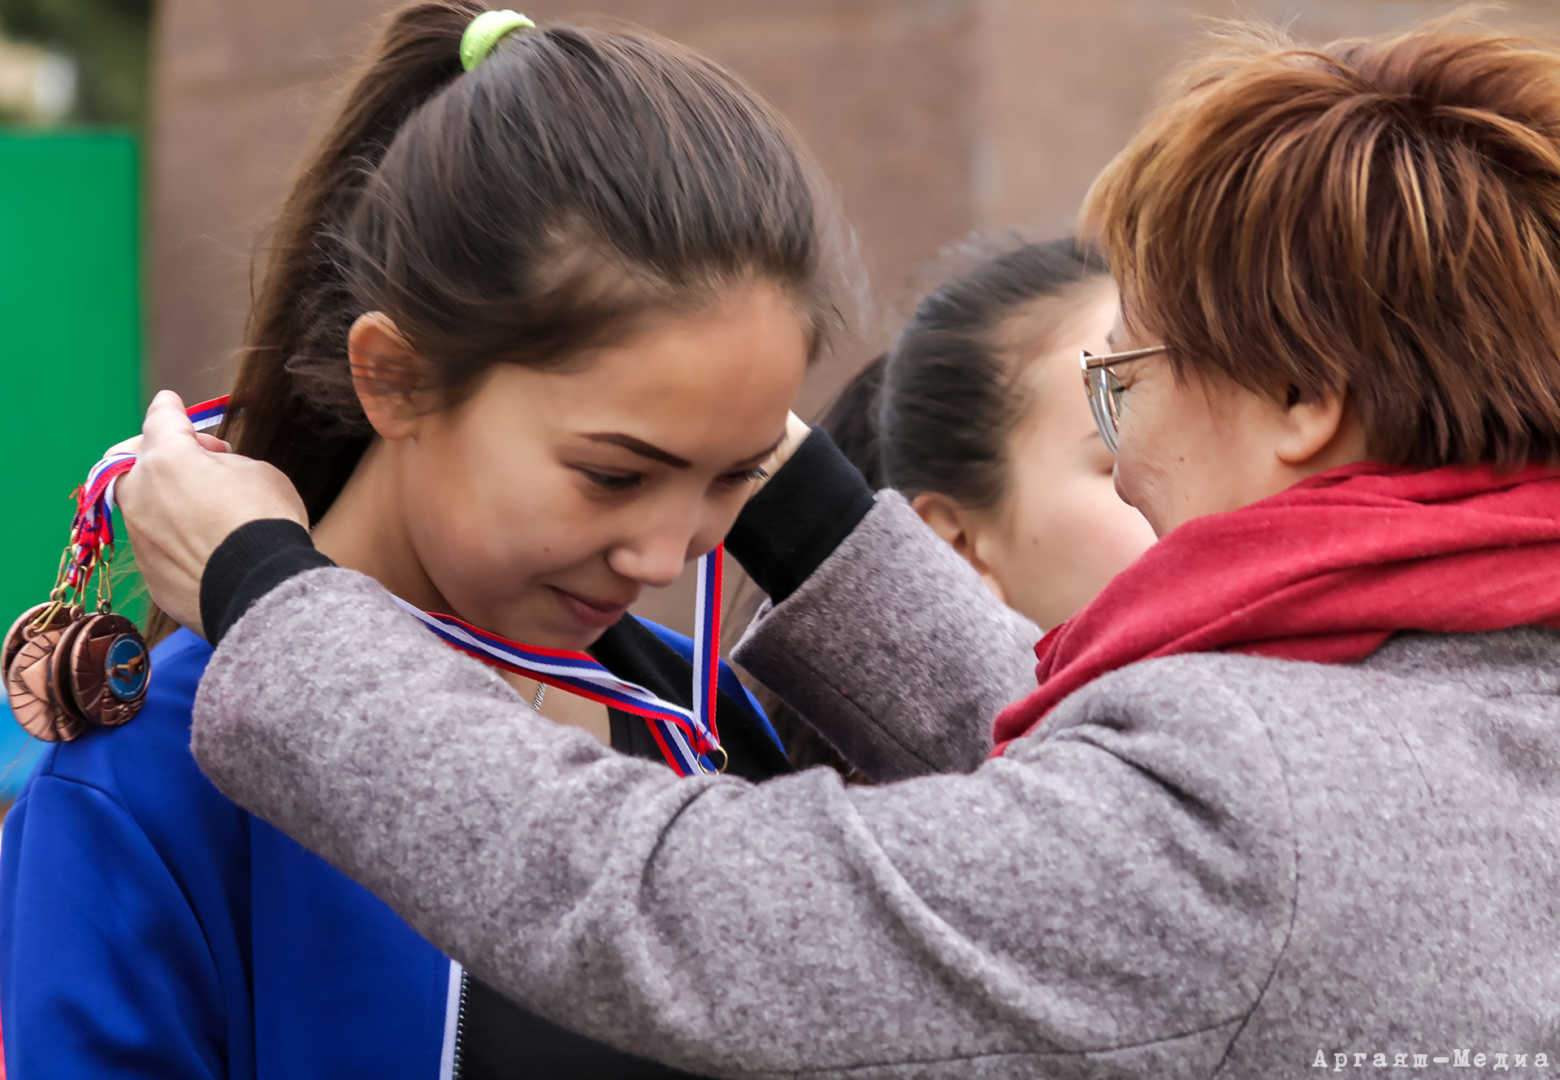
[(386, 374), (961, 530)]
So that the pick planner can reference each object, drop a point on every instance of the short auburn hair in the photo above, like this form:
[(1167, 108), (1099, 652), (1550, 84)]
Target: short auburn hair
[(1378, 217)]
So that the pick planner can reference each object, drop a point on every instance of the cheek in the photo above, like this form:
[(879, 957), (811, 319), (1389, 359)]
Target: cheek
[(484, 527), (1072, 535), (453, 528), (1101, 531), (1151, 473)]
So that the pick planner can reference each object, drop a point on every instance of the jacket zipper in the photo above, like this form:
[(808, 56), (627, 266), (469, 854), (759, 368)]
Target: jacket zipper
[(460, 1029)]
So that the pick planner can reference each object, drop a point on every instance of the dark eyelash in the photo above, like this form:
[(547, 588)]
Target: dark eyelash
[(746, 475), (613, 481), (619, 483)]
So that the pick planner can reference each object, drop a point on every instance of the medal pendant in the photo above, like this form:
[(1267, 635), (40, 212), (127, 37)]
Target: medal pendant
[(18, 632), (103, 669), (36, 707), (67, 672)]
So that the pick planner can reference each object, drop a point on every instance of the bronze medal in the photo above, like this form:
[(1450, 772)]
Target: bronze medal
[(58, 683), (27, 684), (104, 669), (67, 672), (18, 632)]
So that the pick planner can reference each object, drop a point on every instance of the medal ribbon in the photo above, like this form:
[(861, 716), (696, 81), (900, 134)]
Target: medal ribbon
[(688, 738)]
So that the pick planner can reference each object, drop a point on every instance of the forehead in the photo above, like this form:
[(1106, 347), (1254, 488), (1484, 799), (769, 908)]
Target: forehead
[(745, 337), (1058, 321), (1050, 381), (691, 383)]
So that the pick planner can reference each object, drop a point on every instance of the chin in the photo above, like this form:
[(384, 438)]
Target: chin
[(556, 637), (1142, 506), (582, 642), (566, 636), (1125, 495), (1121, 490)]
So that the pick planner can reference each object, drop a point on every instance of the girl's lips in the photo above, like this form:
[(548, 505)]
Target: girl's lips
[(590, 613)]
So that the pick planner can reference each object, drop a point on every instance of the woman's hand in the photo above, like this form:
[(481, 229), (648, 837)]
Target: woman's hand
[(186, 495)]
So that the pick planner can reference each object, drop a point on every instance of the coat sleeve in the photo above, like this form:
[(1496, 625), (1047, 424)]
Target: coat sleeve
[(894, 649), (104, 968), (879, 634), (1099, 902)]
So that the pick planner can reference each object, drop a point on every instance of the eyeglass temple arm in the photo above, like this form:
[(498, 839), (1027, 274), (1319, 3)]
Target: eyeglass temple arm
[(1092, 362)]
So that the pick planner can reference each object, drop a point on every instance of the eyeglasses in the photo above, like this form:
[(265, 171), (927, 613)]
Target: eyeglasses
[(1105, 390)]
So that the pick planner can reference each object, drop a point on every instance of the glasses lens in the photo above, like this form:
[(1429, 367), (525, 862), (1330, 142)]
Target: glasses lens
[(1102, 403), (1114, 389)]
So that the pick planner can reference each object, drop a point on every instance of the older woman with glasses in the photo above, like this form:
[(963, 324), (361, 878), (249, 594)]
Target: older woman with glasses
[(1286, 796)]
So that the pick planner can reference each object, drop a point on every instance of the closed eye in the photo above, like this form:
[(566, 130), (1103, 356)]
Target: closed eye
[(615, 482), (745, 476)]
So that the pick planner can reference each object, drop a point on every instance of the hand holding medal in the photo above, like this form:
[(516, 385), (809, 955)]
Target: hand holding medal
[(67, 670)]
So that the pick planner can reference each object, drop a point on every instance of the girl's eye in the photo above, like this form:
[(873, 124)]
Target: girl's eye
[(615, 482), (738, 479)]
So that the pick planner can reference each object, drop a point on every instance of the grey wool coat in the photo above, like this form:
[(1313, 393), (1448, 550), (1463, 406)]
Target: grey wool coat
[(1208, 865)]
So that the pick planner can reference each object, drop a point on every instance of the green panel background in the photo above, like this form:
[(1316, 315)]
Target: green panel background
[(70, 308)]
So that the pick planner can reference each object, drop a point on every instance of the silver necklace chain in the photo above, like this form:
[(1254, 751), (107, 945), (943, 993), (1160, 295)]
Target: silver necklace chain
[(541, 692)]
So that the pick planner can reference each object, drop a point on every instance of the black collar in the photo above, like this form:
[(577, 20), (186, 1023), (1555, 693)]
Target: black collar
[(631, 650)]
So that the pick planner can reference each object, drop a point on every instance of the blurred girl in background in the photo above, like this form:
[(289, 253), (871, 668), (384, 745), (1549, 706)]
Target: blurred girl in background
[(977, 418), (981, 425)]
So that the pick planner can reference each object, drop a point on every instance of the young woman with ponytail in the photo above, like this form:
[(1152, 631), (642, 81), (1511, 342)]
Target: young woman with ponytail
[(534, 316), (974, 417)]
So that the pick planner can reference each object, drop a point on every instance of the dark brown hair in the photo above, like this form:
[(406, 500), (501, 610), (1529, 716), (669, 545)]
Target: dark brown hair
[(936, 412), (951, 390), (1377, 217), (575, 181)]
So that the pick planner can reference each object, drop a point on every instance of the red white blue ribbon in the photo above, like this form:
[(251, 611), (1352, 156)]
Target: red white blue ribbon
[(688, 738)]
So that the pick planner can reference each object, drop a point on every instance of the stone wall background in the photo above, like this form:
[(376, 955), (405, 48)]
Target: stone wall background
[(933, 118)]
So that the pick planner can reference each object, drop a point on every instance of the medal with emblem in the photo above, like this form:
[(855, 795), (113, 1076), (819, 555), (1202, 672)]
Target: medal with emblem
[(103, 669)]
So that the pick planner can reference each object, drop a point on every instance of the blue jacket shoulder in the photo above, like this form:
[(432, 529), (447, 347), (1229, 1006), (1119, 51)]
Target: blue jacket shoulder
[(141, 763)]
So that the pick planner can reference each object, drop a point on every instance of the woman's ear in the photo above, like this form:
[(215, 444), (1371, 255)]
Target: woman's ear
[(1310, 430), (962, 530), (386, 374)]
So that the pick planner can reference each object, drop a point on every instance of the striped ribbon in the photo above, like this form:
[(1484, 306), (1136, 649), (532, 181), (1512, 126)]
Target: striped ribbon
[(688, 738)]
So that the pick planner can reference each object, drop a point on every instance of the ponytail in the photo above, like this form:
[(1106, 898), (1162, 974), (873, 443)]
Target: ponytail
[(293, 402)]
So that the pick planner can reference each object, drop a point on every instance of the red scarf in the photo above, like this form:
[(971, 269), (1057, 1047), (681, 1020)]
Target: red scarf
[(1325, 571)]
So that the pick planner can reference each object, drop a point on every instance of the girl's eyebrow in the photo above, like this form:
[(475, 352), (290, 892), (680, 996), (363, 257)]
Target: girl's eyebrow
[(640, 447), (666, 457)]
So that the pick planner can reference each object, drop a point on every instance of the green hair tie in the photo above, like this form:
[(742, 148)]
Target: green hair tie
[(484, 32)]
